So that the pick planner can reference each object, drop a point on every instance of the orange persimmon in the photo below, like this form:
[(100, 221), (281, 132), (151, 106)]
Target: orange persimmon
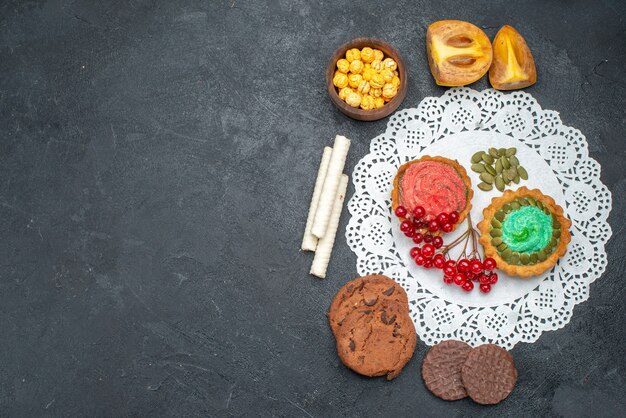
[(513, 65), (459, 53)]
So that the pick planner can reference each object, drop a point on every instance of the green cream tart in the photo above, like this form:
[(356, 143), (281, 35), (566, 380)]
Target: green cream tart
[(527, 230)]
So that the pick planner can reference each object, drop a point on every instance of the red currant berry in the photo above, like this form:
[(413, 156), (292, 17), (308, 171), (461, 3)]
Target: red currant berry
[(493, 279), (419, 212), (468, 286), (420, 260), (418, 238), (489, 264), (483, 279), (476, 267), (463, 265), (447, 227), (438, 261), (415, 251), (433, 226), (449, 271), (442, 218), (448, 279), (451, 264), (437, 242), (428, 238), (485, 288), (410, 232), (428, 263), (459, 279), (401, 211), (453, 217), (428, 250), (417, 223), (405, 226)]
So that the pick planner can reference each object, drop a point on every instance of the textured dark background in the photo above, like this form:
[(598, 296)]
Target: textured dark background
[(157, 161)]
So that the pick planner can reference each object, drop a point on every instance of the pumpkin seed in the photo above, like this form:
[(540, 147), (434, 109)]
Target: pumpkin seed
[(485, 187), (515, 258), (498, 166), (524, 258), (522, 172), (507, 180), (539, 204), (511, 152), (556, 225), (553, 242), (506, 254), (512, 172), (477, 157), (487, 158), (496, 241), (532, 201), (514, 161), (505, 163), (541, 255), (523, 202), (506, 208), (516, 180), (487, 178), (495, 232), (493, 152), (490, 170), (501, 247), (505, 177), (496, 223), (500, 183), (501, 152), (500, 215), (533, 258), (556, 233), (478, 168), (515, 205)]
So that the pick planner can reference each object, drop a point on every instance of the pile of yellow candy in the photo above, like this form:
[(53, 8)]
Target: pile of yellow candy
[(366, 79)]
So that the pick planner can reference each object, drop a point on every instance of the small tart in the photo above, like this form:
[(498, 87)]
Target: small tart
[(437, 184), (525, 231)]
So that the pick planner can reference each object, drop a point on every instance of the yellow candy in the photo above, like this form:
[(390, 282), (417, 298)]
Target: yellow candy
[(356, 66), (343, 93), (395, 81), (390, 63), (364, 87), (376, 92), (387, 74), (354, 80), (354, 99), (367, 102), (377, 81), (367, 54), (353, 54), (343, 65), (389, 90), (378, 55), (340, 80), (379, 102), (368, 73), (377, 65)]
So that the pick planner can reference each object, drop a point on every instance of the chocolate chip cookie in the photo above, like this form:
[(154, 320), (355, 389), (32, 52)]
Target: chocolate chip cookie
[(376, 340), (363, 292)]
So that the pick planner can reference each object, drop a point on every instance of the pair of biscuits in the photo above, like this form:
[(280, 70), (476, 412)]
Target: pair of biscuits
[(370, 319), (453, 370)]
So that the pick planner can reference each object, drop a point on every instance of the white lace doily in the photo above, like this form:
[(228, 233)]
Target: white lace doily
[(456, 125)]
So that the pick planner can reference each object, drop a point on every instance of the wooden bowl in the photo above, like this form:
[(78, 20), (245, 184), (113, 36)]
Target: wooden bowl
[(357, 113)]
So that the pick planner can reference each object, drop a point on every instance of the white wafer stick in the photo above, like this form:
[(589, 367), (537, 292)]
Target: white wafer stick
[(329, 190), (325, 244), (309, 241)]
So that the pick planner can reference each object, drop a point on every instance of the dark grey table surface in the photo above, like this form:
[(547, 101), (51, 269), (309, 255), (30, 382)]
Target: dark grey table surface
[(157, 161)]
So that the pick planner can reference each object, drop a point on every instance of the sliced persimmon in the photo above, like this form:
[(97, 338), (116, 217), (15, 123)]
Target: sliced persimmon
[(459, 53), (513, 65)]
